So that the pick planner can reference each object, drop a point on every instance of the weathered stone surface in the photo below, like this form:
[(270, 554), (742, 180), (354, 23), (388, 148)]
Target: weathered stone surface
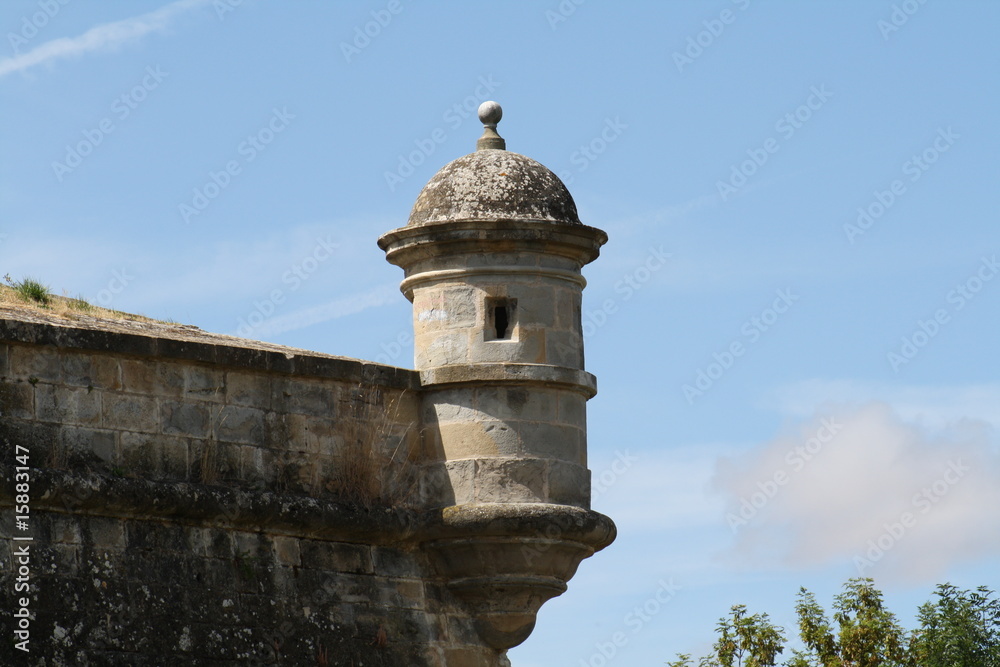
[(564, 348), (510, 480), (130, 412), (492, 185), (100, 443), (17, 399), (67, 405), (35, 363), (91, 370), (569, 483), (240, 424), (247, 388), (180, 418)]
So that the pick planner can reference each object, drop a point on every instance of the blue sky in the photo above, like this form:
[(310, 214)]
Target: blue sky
[(793, 324)]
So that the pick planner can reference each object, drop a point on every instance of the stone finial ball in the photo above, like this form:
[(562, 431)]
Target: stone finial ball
[(490, 113)]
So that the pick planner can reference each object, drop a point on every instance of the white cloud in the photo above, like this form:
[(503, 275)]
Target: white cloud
[(99, 38), (300, 319), (933, 407), (880, 494), (659, 490)]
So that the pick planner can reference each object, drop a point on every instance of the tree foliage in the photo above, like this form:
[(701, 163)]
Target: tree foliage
[(957, 629), (960, 628)]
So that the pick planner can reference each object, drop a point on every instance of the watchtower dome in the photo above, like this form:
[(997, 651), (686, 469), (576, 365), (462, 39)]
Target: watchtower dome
[(492, 255)]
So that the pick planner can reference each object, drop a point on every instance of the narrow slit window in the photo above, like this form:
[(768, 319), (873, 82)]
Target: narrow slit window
[(500, 319)]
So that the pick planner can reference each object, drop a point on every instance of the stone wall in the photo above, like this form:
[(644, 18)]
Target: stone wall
[(198, 501), (161, 409)]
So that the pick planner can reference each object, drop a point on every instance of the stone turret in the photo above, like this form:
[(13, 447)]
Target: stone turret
[(492, 255)]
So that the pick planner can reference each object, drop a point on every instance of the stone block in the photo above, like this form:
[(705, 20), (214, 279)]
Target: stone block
[(510, 480), (505, 436), (403, 408), (156, 456), (130, 413), (309, 433), (462, 307), (37, 436), (286, 551), (252, 468), (222, 544), (272, 466), (191, 418), (572, 409), (252, 545), (4, 360), (462, 481), (35, 362), (99, 442), (464, 440), (199, 539), (564, 348), (105, 533), (65, 530), (249, 389), (392, 562), (214, 462), (403, 594), (527, 347), (451, 406), (175, 458), (535, 305), (437, 309), (17, 399), (569, 308), (203, 382), (171, 379), (66, 559), (554, 441), (552, 261), (140, 454), (430, 446), (520, 402), (434, 484), (240, 424), (152, 378), (307, 397), (336, 556), (100, 371), (427, 298), (67, 405), (139, 376), (568, 484), (442, 349), (470, 657), (363, 590), (210, 542)]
